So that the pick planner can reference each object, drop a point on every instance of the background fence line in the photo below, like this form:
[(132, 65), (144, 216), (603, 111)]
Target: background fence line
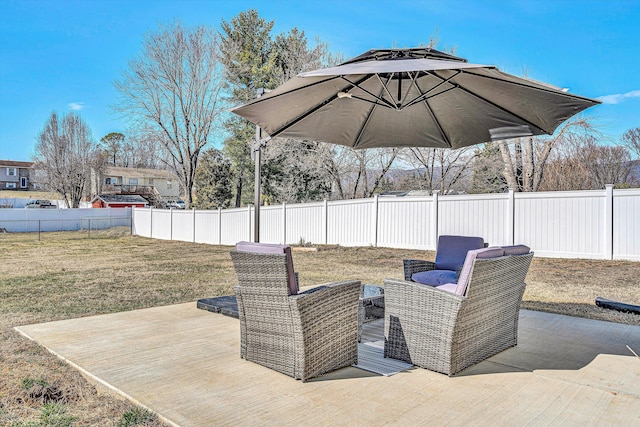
[(44, 220), (596, 224)]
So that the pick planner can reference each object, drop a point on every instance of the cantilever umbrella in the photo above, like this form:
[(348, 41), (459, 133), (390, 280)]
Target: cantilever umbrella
[(416, 97), (411, 97)]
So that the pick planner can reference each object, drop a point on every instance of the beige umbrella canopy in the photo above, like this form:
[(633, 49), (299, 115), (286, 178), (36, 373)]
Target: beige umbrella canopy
[(411, 97)]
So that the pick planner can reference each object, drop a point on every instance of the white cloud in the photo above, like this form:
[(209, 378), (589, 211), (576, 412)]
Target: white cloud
[(76, 106), (619, 97)]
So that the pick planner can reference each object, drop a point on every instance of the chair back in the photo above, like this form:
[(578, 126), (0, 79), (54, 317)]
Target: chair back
[(268, 248), (495, 278), (452, 250)]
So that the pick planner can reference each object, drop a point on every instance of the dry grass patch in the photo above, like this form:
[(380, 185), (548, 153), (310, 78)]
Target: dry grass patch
[(67, 275)]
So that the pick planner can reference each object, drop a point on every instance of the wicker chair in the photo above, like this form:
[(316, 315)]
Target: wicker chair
[(445, 332), (303, 335)]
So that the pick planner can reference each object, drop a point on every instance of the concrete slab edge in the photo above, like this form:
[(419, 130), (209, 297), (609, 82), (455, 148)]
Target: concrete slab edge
[(97, 380)]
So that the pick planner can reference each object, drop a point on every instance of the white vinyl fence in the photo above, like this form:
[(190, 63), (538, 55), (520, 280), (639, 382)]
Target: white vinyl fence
[(599, 224), (36, 220)]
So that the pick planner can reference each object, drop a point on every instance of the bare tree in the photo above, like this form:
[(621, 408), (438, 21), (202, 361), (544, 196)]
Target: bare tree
[(580, 163), (441, 169), (358, 173), (172, 93), (525, 158), (631, 139), (293, 171), (65, 154)]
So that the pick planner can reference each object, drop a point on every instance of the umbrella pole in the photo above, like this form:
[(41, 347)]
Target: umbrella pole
[(257, 154)]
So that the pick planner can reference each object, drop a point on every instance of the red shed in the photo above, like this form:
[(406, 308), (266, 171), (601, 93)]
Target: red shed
[(119, 201)]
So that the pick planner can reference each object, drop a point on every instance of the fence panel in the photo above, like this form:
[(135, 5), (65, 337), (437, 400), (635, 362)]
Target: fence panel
[(562, 224), (182, 225), (161, 224), (271, 224), (141, 222), (478, 215), (626, 224), (306, 222), (405, 223), (207, 227), (236, 226), (350, 223)]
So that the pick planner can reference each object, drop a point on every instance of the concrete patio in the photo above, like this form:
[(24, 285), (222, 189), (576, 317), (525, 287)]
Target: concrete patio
[(184, 364)]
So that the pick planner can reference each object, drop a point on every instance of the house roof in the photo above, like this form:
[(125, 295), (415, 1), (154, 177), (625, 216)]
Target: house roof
[(120, 198), (139, 173), (15, 164)]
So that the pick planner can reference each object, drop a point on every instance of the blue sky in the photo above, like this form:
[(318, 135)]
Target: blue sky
[(64, 55)]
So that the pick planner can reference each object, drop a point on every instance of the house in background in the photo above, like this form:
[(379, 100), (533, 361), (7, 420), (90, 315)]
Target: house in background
[(119, 201), (15, 175), (156, 186)]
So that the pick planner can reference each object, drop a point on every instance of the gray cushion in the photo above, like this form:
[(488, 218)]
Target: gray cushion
[(516, 250), (452, 250), (434, 277)]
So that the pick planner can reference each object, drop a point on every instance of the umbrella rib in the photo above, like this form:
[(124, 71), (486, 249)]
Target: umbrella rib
[(311, 110), (269, 97), (384, 101), (356, 142), (504, 109), (424, 95), (437, 122)]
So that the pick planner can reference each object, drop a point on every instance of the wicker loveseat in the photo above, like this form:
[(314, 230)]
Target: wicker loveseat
[(451, 327), (302, 335)]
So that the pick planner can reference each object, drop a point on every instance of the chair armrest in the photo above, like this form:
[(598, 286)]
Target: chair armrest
[(420, 292), (421, 311), (412, 266), (325, 327)]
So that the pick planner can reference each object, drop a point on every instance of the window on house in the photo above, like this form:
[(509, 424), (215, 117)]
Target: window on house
[(12, 171), (23, 182), (133, 181), (169, 183), (10, 185), (150, 181), (107, 180)]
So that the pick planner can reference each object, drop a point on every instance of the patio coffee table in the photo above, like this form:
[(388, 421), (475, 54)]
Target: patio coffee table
[(370, 305)]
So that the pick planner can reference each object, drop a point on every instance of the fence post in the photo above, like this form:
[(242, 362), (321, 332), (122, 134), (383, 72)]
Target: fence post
[(375, 221), (194, 225), (284, 223), (170, 223), (434, 219), (132, 220), (250, 239), (325, 220), (219, 226), (510, 222), (608, 222), (151, 222)]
